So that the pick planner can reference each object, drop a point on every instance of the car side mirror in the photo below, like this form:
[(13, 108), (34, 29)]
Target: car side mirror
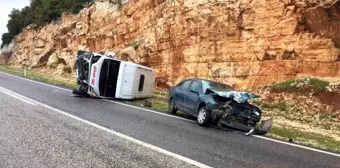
[(193, 91)]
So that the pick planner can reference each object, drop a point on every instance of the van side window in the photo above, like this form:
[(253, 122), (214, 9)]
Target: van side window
[(141, 83)]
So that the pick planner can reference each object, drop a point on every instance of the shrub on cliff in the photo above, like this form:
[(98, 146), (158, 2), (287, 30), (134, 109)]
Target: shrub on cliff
[(304, 85), (39, 12), (6, 39)]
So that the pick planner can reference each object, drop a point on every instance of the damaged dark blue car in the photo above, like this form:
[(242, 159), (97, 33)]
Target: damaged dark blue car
[(216, 103)]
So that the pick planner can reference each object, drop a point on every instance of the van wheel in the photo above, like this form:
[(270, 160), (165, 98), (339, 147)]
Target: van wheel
[(172, 106), (203, 116)]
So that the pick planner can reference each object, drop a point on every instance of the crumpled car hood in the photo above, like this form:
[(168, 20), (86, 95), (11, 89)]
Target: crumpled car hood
[(239, 97)]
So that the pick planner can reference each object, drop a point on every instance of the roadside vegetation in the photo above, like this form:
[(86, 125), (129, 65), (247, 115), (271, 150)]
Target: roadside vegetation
[(305, 138), (292, 121), (39, 13), (298, 125), (305, 111), (313, 85), (47, 78)]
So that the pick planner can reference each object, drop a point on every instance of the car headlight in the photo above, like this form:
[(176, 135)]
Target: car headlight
[(256, 113)]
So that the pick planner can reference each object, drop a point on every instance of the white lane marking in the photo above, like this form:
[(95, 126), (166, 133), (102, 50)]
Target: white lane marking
[(296, 145), (56, 87), (256, 136), (151, 111), (16, 96), (41, 83), (147, 145)]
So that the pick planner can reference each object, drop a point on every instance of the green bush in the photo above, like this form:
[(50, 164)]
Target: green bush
[(305, 84), (135, 44), (67, 69), (327, 116), (281, 106), (320, 84), (39, 12)]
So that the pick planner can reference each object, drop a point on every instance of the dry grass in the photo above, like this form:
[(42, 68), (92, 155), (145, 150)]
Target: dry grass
[(47, 78), (305, 138)]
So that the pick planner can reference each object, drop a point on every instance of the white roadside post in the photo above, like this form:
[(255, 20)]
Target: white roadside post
[(25, 73)]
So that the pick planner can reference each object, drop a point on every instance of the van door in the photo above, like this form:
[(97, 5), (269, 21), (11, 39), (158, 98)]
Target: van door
[(128, 81)]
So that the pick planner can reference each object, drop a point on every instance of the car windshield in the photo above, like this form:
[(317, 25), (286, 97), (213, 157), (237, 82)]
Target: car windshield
[(214, 85)]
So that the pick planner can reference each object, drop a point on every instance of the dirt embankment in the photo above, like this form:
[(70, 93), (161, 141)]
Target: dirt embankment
[(311, 102)]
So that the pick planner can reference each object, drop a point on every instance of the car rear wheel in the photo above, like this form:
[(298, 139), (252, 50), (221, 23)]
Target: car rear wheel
[(172, 106), (203, 116)]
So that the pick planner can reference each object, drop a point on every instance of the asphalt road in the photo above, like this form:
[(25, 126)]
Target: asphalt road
[(35, 136)]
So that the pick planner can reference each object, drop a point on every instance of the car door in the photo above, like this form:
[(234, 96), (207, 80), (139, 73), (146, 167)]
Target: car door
[(181, 93), (192, 99)]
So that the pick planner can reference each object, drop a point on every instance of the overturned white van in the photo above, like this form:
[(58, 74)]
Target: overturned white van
[(108, 77)]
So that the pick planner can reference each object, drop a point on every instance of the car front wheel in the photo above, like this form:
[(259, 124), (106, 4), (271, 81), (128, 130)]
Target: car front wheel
[(203, 116)]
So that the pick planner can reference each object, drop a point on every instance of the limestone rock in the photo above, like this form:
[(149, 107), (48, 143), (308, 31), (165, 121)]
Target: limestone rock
[(60, 69), (243, 43), (3, 59), (129, 53), (53, 61), (39, 43)]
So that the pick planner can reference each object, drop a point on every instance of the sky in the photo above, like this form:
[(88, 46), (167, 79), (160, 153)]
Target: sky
[(6, 7)]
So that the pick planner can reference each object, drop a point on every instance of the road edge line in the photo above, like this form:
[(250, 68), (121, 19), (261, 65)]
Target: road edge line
[(148, 110), (45, 84), (121, 135), (136, 141), (297, 145), (3, 90), (111, 101), (256, 136)]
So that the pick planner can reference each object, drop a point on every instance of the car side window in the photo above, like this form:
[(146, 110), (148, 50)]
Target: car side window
[(179, 84), (195, 86), (186, 85)]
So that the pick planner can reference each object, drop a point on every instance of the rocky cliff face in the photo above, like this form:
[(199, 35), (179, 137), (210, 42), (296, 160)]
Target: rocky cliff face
[(245, 43), (6, 52), (3, 59)]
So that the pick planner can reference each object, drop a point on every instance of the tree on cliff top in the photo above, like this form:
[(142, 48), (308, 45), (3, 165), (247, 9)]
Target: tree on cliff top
[(39, 12)]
